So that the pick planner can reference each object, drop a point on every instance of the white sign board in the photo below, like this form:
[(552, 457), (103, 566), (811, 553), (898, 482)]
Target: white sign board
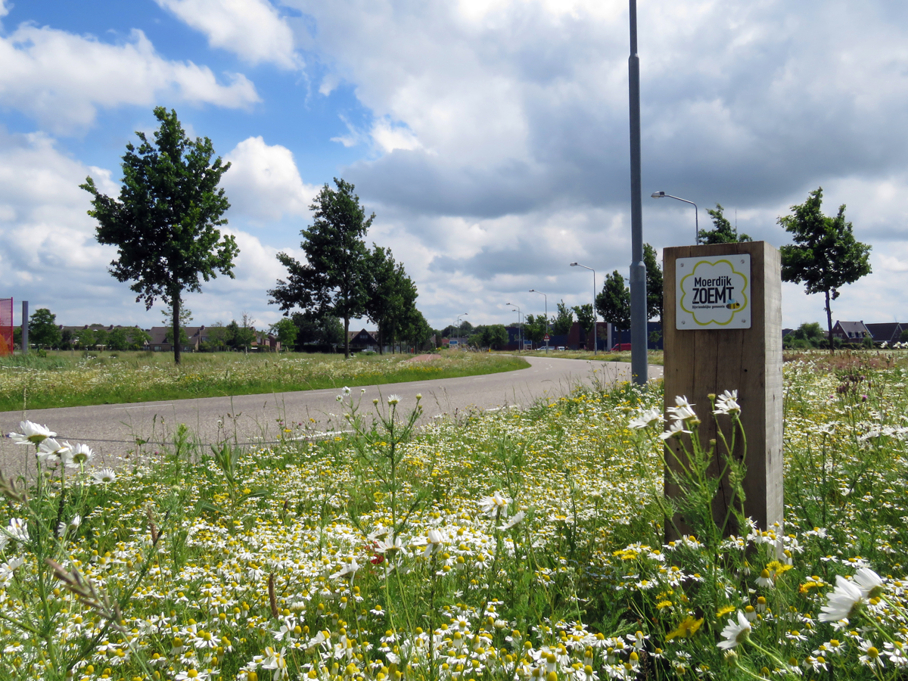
[(713, 292)]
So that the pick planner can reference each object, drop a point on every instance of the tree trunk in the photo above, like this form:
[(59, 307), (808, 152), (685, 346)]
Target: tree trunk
[(175, 299), (346, 338), (829, 323)]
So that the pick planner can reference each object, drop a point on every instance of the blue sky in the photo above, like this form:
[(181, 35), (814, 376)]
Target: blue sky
[(489, 137)]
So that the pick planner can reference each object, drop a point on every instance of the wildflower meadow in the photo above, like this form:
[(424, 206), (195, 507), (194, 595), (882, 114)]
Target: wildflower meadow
[(515, 544)]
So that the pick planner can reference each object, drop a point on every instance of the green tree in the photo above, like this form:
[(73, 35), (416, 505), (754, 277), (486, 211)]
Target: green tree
[(86, 338), (333, 278), (137, 337), (391, 297), (654, 283), (825, 255), (118, 339), (585, 319), (723, 232), (165, 221), (43, 330), (495, 336), (217, 337), (564, 320), (534, 328), (325, 329), (241, 336), (904, 337), (286, 333), (614, 301)]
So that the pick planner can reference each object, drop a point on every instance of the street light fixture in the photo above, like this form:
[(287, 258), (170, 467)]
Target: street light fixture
[(532, 290), (595, 339), (458, 321), (663, 195), (519, 327)]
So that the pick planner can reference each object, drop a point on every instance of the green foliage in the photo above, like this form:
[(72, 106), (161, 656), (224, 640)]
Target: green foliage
[(654, 283), (614, 301), (165, 222), (334, 278), (286, 333), (326, 329), (391, 300), (723, 232), (904, 337), (825, 255), (534, 327), (585, 318), (43, 330), (808, 335), (563, 320)]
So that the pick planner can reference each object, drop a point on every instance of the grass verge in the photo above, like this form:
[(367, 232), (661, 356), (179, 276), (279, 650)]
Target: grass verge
[(75, 380)]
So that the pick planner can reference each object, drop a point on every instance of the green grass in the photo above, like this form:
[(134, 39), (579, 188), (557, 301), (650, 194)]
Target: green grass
[(67, 379)]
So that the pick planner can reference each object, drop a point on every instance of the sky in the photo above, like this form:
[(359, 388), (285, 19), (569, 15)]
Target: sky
[(489, 137)]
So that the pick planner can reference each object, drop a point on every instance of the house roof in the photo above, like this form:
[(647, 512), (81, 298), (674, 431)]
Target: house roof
[(852, 328), (887, 331)]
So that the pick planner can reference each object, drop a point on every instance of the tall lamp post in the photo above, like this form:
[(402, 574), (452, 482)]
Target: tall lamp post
[(532, 290), (519, 327), (663, 195), (458, 321), (595, 339), (639, 369)]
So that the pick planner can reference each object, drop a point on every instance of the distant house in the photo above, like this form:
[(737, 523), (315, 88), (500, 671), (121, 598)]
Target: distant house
[(850, 332), (159, 343), (889, 332), (361, 340)]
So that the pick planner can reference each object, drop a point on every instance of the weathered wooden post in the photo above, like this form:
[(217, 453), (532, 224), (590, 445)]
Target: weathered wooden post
[(723, 331)]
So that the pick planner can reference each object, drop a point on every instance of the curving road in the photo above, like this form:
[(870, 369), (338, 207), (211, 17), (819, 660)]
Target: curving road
[(113, 430)]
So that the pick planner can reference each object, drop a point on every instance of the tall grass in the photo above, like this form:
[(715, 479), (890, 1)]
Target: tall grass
[(514, 544), (72, 379)]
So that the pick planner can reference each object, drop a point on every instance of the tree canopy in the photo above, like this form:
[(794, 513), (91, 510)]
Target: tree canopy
[(391, 298), (165, 221), (333, 279), (585, 318), (43, 330), (563, 320), (825, 255), (723, 232), (614, 301)]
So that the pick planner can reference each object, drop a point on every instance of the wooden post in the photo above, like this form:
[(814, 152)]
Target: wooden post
[(739, 350)]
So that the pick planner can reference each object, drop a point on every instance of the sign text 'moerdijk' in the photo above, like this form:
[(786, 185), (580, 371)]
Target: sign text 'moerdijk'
[(713, 292)]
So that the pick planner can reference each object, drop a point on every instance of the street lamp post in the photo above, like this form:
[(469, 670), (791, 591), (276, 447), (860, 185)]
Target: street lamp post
[(458, 321), (595, 339), (532, 290), (663, 195), (519, 328)]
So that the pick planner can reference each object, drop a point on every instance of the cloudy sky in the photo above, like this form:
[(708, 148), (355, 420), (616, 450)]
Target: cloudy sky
[(490, 137)]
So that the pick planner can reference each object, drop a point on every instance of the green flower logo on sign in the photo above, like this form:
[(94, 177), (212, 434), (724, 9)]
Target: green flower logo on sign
[(713, 292)]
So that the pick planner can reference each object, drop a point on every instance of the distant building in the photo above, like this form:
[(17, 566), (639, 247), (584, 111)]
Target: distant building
[(850, 332)]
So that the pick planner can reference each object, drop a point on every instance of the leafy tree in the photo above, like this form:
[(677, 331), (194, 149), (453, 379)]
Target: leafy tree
[(165, 221), (137, 337), (102, 338), (723, 232), (585, 318), (614, 301), (185, 317), (333, 278), (904, 337), (534, 328), (325, 329), (654, 283), (495, 336), (117, 339), (808, 335), (86, 338), (391, 297), (286, 333), (241, 336), (564, 320), (217, 337), (825, 255), (43, 330)]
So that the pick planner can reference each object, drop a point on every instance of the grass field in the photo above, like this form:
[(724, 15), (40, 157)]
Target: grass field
[(518, 544), (67, 379)]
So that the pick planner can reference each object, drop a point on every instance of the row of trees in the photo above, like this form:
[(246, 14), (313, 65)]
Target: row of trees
[(342, 278), (44, 333), (165, 227)]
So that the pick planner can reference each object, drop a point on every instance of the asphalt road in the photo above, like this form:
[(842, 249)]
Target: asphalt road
[(113, 430)]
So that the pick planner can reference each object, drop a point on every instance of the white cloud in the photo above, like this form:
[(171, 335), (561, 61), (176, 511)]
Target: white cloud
[(62, 79), (252, 29), (263, 182)]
